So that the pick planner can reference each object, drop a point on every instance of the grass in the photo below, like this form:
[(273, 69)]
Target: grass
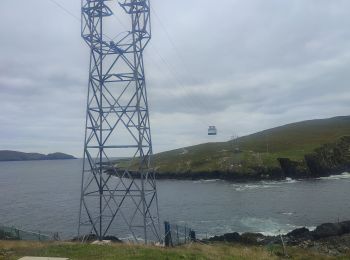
[(291, 141), (15, 249)]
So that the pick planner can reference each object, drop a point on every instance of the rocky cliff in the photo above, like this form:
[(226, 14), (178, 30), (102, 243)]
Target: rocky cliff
[(333, 158)]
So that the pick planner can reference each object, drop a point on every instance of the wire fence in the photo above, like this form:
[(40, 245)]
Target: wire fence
[(178, 235), (174, 235), (12, 233)]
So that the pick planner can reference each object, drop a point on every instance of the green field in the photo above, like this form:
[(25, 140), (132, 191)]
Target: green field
[(11, 250), (261, 149)]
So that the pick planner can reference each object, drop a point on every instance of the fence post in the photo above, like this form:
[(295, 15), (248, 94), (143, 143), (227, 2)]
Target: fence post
[(168, 240), (17, 234), (12, 231), (177, 235), (56, 236), (193, 235)]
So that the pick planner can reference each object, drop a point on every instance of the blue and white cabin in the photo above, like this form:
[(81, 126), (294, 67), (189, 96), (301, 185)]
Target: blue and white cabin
[(212, 130)]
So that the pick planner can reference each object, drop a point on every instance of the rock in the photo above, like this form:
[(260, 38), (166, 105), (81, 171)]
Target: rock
[(216, 239), (305, 244), (193, 235), (232, 237), (112, 239), (331, 158), (252, 238), (316, 166), (345, 225), (298, 236), (246, 238), (288, 166), (331, 238), (300, 233), (228, 237), (327, 230)]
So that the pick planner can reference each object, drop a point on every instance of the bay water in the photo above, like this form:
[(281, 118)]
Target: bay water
[(44, 196)]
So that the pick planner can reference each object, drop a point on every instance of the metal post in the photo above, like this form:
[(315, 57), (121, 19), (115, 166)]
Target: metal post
[(177, 234), (168, 238), (115, 193)]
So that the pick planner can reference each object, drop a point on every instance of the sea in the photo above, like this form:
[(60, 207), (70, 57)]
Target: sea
[(44, 196)]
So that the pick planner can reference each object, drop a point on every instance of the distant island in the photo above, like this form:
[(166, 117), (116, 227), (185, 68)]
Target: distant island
[(307, 149), (6, 155)]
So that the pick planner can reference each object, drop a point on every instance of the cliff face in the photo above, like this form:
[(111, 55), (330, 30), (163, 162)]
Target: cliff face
[(328, 159)]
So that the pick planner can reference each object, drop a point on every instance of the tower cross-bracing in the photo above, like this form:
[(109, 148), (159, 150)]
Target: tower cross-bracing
[(118, 190)]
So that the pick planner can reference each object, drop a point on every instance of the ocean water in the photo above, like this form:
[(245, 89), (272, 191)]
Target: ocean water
[(44, 195)]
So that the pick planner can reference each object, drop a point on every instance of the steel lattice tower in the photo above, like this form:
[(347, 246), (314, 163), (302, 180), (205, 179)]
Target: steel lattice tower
[(117, 196)]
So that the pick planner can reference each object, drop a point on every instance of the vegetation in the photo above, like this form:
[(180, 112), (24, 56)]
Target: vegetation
[(261, 149), (20, 156), (15, 249)]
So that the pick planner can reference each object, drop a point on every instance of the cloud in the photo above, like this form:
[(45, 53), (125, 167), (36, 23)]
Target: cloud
[(240, 65)]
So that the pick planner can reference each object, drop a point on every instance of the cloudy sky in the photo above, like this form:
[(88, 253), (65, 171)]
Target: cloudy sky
[(242, 65)]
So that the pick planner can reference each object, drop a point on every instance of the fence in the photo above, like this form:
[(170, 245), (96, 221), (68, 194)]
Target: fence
[(12, 233), (178, 235)]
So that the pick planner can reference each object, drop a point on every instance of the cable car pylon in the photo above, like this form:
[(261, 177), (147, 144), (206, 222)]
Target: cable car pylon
[(118, 197)]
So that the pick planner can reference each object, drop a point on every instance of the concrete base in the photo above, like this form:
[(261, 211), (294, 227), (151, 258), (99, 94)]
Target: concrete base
[(103, 242)]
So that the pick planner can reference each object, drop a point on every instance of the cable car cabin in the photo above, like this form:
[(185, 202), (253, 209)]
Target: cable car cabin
[(212, 130)]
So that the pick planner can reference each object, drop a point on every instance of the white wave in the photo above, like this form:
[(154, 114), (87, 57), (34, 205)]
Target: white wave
[(281, 182), (130, 238), (267, 227), (290, 180), (287, 213), (259, 185), (212, 221), (207, 181), (213, 180), (285, 230), (285, 181), (246, 187), (270, 227), (344, 175), (273, 233)]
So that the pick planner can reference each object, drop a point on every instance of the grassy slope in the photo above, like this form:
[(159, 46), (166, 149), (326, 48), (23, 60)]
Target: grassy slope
[(292, 141), (13, 250)]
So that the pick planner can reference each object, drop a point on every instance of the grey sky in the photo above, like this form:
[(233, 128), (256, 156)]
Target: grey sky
[(240, 65)]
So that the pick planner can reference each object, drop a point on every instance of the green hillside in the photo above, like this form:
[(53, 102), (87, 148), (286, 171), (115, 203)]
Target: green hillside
[(261, 149)]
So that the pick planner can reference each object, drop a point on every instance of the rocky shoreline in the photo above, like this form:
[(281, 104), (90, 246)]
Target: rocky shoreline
[(275, 174), (329, 238)]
